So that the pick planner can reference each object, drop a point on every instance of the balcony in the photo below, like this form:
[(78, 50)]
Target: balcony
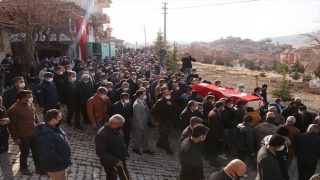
[(104, 19), (105, 35), (104, 3)]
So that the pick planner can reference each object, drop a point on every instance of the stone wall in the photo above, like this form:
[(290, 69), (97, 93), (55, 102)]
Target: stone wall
[(5, 46)]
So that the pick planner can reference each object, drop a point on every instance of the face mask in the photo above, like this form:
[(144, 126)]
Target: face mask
[(196, 108), (144, 97), (60, 73), (22, 85), (183, 82), (241, 89), (164, 85), (231, 105), (134, 77), (200, 110), (280, 148), (86, 72), (140, 85), (110, 89), (69, 70), (93, 74), (177, 88), (300, 112), (105, 81), (212, 102), (85, 81), (168, 97), (281, 103), (118, 128), (127, 101), (219, 85), (73, 79), (125, 89), (50, 79), (194, 72), (30, 100), (204, 137), (174, 80), (103, 96)]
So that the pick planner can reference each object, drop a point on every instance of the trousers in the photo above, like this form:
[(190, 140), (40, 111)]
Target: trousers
[(60, 175), (141, 136), (187, 71), (213, 147), (73, 109), (164, 130), (306, 170), (28, 143), (6, 166), (112, 173), (225, 141)]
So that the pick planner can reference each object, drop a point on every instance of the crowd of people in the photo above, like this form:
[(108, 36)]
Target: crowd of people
[(133, 91)]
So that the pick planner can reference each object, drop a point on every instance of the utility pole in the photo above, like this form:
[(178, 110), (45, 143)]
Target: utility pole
[(136, 44), (165, 27), (145, 37)]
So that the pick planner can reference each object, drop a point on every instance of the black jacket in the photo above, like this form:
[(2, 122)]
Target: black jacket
[(244, 138), (239, 113), (215, 126), (302, 123), (54, 148), (186, 62), (191, 160), (307, 148), (57, 79), (162, 112), (97, 85), (85, 92), (47, 95), (69, 94), (207, 107), (185, 117), (219, 175), (110, 147), (286, 112), (118, 92), (10, 96), (228, 118), (186, 133), (125, 112), (192, 76), (4, 134)]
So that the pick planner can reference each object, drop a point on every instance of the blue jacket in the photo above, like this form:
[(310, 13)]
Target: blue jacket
[(110, 147), (47, 95), (54, 149)]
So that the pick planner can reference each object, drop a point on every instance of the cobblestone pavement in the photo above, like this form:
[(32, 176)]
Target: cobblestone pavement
[(86, 164)]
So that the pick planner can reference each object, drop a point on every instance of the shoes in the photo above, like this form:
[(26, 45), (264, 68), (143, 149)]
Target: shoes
[(25, 171), (137, 151), (169, 152), (148, 152), (80, 127), (216, 165), (222, 157), (150, 125), (69, 124), (41, 172), (160, 146)]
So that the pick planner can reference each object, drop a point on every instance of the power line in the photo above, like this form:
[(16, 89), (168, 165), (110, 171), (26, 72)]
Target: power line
[(215, 4)]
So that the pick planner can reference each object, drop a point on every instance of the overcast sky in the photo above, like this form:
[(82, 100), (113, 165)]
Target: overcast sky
[(215, 19)]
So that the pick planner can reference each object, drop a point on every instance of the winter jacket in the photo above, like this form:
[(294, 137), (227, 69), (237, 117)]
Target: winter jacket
[(256, 118), (307, 148), (302, 123), (262, 130), (244, 138), (186, 62), (54, 148)]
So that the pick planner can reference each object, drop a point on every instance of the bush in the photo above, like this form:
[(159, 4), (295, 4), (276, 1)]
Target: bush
[(263, 74), (207, 61), (283, 90), (307, 77)]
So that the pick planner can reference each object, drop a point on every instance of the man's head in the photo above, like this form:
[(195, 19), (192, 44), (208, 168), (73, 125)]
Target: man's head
[(249, 109), (140, 94), (68, 68), (175, 87), (217, 83), (257, 90), (72, 76), (186, 54), (85, 78), (25, 96), (240, 103), (133, 75), (236, 169), (276, 143), (53, 117), (192, 105), (200, 107), (92, 72), (313, 128), (18, 82), (264, 87), (103, 78), (279, 101), (59, 70), (199, 132), (302, 110), (283, 131), (125, 86), (291, 120), (270, 117), (116, 122), (139, 82), (162, 82), (241, 86), (219, 105), (194, 121), (210, 99), (247, 119), (145, 84), (48, 77), (44, 67), (8, 56), (166, 94), (292, 105), (102, 92), (194, 71), (272, 109), (173, 79), (125, 98), (229, 103), (109, 86)]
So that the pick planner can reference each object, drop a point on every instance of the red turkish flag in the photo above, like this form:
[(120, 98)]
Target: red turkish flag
[(82, 34)]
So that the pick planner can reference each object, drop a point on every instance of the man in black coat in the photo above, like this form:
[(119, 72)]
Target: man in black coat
[(111, 150), (163, 113), (187, 114), (10, 96), (307, 150), (124, 89), (215, 135), (290, 110), (234, 170), (190, 154), (124, 108), (188, 131), (84, 88), (103, 79), (69, 96), (193, 75), (58, 76), (303, 119), (133, 82), (208, 106), (186, 63)]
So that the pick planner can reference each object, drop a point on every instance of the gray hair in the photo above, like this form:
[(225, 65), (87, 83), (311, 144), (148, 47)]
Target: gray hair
[(125, 84), (313, 128), (142, 89), (109, 83), (270, 114), (272, 108), (297, 98), (85, 76), (291, 120), (116, 118)]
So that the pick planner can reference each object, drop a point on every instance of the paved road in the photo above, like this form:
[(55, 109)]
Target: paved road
[(86, 164)]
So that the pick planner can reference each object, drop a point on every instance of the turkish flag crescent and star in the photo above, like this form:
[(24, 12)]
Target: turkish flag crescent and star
[(252, 101), (82, 34)]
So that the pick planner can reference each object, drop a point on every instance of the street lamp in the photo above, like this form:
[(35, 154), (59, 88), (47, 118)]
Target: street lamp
[(145, 38)]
